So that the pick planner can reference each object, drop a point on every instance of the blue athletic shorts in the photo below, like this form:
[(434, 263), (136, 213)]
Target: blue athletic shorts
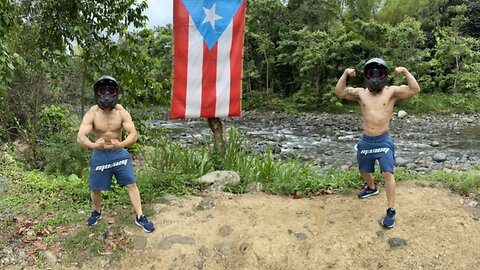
[(379, 148), (107, 163)]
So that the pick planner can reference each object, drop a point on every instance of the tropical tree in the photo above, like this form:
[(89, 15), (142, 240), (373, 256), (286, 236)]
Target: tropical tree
[(405, 46), (455, 63), (49, 27)]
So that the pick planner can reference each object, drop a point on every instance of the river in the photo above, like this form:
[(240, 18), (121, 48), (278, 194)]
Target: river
[(422, 143)]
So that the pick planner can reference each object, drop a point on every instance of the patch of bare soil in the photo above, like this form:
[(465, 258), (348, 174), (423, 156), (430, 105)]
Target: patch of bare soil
[(435, 229)]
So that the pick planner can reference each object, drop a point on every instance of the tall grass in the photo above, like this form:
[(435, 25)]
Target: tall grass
[(172, 168), (467, 183)]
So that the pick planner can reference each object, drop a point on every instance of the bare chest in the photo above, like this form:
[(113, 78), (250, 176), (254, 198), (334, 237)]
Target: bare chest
[(379, 101), (107, 122)]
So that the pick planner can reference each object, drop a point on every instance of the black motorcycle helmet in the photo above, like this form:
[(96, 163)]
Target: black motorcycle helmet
[(376, 74), (106, 92)]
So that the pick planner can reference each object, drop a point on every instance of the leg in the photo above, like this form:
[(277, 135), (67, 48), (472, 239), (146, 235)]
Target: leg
[(96, 196), (368, 177), (366, 166), (140, 219), (390, 188), (135, 198)]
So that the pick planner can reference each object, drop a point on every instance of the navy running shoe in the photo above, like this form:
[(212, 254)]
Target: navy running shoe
[(145, 224), (367, 192), (389, 220), (94, 218)]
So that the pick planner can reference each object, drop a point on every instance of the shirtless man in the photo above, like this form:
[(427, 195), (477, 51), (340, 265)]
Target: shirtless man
[(106, 120), (377, 103)]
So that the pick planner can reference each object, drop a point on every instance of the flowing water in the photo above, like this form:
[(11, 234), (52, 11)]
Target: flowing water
[(331, 139)]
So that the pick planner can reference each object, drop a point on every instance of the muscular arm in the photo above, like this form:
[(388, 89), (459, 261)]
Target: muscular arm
[(341, 89), (406, 91), (85, 129), (129, 127)]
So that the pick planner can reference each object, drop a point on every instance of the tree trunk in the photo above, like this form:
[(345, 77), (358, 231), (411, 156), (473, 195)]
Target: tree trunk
[(216, 126), (4, 129), (457, 73), (266, 60), (34, 131), (84, 82)]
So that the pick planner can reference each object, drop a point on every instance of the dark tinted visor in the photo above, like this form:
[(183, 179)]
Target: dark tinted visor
[(107, 90), (376, 73)]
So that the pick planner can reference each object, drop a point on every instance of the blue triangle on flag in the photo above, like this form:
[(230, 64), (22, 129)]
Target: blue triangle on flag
[(211, 17)]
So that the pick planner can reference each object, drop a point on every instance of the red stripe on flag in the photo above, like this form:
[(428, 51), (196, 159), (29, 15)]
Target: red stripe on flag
[(236, 62), (209, 81), (179, 93)]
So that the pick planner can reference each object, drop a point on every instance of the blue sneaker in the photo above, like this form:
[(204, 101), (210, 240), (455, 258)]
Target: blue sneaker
[(145, 224), (389, 220), (94, 218), (367, 192)]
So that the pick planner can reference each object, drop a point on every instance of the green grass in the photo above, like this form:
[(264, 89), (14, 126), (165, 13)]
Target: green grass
[(465, 183)]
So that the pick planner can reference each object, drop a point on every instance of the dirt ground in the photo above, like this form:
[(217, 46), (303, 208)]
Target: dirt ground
[(436, 229)]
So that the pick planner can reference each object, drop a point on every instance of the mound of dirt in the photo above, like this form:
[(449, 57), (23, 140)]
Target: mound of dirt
[(435, 229)]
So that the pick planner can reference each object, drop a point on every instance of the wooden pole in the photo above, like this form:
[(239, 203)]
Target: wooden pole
[(216, 126)]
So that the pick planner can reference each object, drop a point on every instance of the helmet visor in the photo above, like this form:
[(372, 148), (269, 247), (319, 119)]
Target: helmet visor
[(376, 73), (107, 90)]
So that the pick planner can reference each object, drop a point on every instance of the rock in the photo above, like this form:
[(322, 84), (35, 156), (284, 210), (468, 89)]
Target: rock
[(401, 114), (473, 204), (228, 177), (400, 161), (199, 264), (440, 157), (175, 239), (396, 242), (218, 179), (224, 249), (301, 236), (225, 230), (140, 242), (346, 138), (435, 144), (47, 256), (206, 203)]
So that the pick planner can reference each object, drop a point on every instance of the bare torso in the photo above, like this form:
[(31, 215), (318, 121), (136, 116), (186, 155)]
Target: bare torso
[(107, 124), (377, 110)]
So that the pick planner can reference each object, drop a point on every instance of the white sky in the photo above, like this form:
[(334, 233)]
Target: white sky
[(159, 12)]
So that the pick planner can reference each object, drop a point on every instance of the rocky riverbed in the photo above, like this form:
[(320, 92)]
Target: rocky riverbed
[(423, 143)]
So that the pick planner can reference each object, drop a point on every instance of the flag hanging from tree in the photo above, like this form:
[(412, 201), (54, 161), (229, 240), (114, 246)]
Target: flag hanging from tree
[(208, 46)]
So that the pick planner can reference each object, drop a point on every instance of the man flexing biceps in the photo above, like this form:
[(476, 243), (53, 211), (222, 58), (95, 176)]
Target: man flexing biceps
[(377, 102)]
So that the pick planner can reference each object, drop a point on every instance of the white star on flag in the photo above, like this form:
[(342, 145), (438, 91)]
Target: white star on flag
[(211, 15)]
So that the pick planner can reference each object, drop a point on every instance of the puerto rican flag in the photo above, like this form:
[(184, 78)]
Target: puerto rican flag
[(208, 46)]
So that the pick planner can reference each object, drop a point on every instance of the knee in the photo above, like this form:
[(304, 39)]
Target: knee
[(132, 186), (388, 176)]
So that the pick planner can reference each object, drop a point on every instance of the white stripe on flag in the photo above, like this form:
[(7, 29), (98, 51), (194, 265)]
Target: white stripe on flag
[(194, 72), (223, 72)]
